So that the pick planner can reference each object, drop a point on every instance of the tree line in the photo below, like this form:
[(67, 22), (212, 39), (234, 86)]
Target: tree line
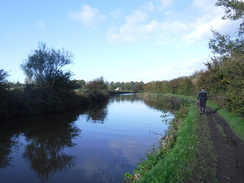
[(224, 73), (126, 86), (49, 88)]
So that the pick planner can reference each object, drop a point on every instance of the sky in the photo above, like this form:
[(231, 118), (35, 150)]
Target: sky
[(129, 40)]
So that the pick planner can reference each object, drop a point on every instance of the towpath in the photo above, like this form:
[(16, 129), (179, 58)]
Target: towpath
[(229, 148)]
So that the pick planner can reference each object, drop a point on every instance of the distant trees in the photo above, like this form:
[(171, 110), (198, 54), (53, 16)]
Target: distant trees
[(97, 89), (3, 81), (179, 86), (3, 76), (97, 86), (126, 86), (4, 96)]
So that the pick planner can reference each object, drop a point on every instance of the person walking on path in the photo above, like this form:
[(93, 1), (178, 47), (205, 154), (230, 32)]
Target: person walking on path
[(203, 97)]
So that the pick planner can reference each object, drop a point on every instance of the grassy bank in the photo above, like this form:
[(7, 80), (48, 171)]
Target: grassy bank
[(186, 153), (236, 121)]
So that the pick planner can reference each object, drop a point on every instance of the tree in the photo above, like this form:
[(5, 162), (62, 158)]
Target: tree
[(233, 8), (43, 68), (225, 44), (3, 76), (3, 80), (225, 72), (138, 87), (51, 88), (4, 95), (97, 86)]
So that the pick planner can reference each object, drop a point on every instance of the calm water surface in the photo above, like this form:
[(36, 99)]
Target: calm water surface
[(94, 145)]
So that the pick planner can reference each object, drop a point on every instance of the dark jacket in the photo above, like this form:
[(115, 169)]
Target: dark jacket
[(202, 95)]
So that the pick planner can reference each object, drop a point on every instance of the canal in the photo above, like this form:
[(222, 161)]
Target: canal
[(97, 144)]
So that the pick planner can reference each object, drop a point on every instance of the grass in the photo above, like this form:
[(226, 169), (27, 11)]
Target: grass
[(190, 157), (236, 121)]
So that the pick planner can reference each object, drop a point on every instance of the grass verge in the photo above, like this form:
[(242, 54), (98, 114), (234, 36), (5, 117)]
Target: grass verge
[(236, 121), (186, 154)]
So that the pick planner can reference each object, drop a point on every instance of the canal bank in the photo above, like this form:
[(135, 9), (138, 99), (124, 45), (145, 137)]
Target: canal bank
[(189, 154)]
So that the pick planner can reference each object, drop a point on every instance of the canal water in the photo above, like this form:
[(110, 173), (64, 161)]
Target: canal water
[(94, 145)]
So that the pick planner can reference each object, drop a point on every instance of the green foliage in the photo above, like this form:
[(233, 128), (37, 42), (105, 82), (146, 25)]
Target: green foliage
[(3, 76), (225, 73), (225, 45), (224, 80), (126, 86), (4, 96), (51, 89), (44, 68), (233, 9), (8, 98), (97, 86), (181, 85), (80, 83), (96, 89)]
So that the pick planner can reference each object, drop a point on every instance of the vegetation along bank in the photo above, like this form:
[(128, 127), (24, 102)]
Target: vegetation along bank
[(185, 154), (48, 87), (189, 152)]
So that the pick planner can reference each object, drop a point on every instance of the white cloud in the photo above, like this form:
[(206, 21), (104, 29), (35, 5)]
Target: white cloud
[(115, 14), (149, 6), (149, 23), (88, 16), (171, 71), (165, 3), (41, 24), (203, 30), (140, 25), (205, 5), (128, 31), (138, 16), (209, 20), (137, 27)]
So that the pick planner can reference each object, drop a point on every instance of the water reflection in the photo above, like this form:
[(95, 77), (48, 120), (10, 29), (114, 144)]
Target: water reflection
[(46, 137), (166, 104), (96, 113), (125, 97), (98, 143), (44, 152), (8, 141)]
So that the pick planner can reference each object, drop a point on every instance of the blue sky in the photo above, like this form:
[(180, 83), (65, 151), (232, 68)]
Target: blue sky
[(130, 40)]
